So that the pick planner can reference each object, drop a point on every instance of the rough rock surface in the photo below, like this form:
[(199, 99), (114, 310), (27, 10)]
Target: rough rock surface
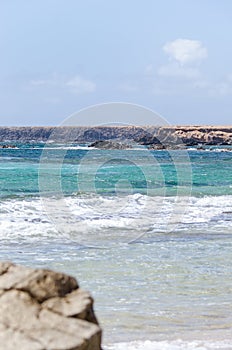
[(45, 310), (147, 135), (110, 145)]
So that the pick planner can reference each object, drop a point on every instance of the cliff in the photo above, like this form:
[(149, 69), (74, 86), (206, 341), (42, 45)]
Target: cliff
[(147, 135)]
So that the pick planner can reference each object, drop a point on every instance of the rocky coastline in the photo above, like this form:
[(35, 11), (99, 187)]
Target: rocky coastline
[(151, 136), (45, 310)]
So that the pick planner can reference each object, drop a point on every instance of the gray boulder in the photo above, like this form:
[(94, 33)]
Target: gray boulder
[(45, 310), (106, 144)]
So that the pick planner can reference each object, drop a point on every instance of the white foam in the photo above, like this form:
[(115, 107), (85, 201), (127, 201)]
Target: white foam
[(24, 218), (68, 148), (171, 345), (134, 213)]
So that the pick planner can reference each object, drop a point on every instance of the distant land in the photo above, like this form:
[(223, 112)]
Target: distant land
[(147, 135)]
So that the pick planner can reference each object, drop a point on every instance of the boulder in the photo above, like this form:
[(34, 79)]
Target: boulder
[(45, 310), (106, 144)]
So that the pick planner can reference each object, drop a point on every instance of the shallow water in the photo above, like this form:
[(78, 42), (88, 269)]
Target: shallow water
[(149, 234)]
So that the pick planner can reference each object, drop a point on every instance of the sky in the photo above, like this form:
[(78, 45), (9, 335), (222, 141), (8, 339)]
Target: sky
[(170, 56)]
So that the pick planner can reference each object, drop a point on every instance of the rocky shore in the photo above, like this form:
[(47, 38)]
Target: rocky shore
[(168, 136), (45, 310)]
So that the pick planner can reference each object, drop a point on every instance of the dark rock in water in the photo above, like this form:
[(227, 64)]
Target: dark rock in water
[(7, 146), (166, 146), (156, 147), (110, 145), (45, 310)]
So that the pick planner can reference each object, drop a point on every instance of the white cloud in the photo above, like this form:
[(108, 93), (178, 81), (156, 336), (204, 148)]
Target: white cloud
[(185, 51), (222, 88), (216, 89), (177, 71), (229, 78), (158, 90), (43, 82), (201, 84), (184, 57), (76, 84), (128, 87), (53, 80), (80, 85), (149, 69), (53, 100)]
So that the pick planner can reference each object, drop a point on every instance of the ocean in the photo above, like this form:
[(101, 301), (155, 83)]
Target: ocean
[(148, 232)]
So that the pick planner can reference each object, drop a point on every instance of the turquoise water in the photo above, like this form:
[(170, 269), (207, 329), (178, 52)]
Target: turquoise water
[(149, 233), (211, 170)]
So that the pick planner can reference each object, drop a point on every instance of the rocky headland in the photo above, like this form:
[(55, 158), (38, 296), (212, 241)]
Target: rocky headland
[(45, 310), (152, 136)]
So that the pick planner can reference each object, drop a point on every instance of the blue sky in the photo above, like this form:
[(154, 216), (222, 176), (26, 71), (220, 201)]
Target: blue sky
[(172, 56)]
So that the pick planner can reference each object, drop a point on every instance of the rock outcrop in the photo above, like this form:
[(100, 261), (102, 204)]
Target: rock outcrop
[(110, 145), (45, 310), (187, 135), (147, 135), (205, 135)]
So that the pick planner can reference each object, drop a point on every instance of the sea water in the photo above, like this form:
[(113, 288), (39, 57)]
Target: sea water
[(149, 233)]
